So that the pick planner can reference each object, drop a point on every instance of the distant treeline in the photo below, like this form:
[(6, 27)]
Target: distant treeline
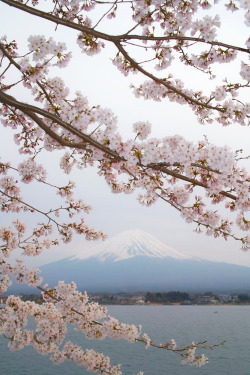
[(169, 297), (244, 298)]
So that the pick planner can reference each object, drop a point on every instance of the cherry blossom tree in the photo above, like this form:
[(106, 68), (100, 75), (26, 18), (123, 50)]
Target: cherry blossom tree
[(170, 169)]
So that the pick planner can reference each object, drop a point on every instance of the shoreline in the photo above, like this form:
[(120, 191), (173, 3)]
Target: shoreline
[(173, 304)]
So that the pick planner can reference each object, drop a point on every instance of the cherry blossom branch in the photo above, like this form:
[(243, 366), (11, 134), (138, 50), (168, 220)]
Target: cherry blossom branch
[(29, 109), (32, 208), (163, 82), (109, 152), (50, 293), (5, 70), (125, 37), (60, 313), (200, 345), (104, 15), (188, 179), (10, 58), (118, 39), (59, 21), (180, 208), (113, 38)]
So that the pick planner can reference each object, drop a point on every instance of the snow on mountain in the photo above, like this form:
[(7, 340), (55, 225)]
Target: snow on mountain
[(129, 244)]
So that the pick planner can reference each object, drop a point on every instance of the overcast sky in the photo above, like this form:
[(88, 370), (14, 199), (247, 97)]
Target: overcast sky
[(100, 81)]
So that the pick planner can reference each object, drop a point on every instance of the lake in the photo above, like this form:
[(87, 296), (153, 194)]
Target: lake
[(162, 323)]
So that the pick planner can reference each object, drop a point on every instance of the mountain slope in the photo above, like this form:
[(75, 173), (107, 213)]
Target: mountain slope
[(149, 274)]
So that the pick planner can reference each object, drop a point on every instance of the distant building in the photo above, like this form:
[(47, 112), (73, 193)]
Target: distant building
[(139, 300), (200, 299)]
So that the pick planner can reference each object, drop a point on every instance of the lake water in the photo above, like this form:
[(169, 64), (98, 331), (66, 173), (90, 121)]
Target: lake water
[(183, 323)]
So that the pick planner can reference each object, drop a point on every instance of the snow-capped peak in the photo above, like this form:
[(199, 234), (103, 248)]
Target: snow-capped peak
[(129, 244)]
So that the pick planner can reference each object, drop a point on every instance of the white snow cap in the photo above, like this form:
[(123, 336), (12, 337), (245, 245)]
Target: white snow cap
[(129, 244)]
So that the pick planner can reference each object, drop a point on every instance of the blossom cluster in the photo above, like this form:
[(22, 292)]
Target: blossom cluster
[(231, 111), (164, 57), (42, 47), (21, 273), (123, 65), (29, 170), (206, 27), (33, 241), (192, 360), (43, 52), (143, 129), (89, 45)]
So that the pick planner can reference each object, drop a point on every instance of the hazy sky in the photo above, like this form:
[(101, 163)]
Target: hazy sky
[(100, 81)]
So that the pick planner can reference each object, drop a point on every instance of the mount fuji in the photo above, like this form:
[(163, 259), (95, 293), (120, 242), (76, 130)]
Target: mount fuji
[(137, 261)]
